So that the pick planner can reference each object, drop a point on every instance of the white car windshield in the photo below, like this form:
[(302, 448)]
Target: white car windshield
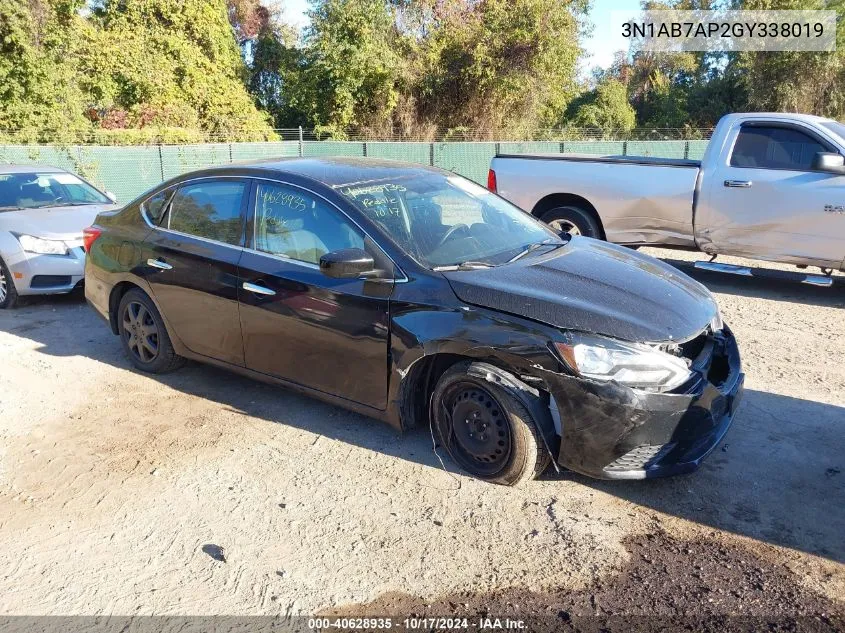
[(32, 190), (444, 221)]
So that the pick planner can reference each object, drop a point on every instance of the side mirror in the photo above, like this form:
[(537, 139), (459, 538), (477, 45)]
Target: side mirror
[(111, 196), (829, 162), (347, 263)]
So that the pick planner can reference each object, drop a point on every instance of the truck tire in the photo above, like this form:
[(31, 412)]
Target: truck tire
[(573, 220), (485, 427)]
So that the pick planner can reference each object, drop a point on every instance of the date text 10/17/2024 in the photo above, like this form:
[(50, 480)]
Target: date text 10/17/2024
[(416, 623)]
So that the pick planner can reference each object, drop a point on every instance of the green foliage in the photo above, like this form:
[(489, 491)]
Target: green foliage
[(170, 67), (39, 96), (796, 81), (352, 64), (500, 66), (606, 108)]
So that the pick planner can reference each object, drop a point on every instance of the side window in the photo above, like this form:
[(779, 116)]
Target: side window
[(209, 209), (154, 207), (292, 223), (775, 148)]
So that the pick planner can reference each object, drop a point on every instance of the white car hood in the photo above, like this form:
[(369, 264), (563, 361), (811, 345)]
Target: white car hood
[(54, 223)]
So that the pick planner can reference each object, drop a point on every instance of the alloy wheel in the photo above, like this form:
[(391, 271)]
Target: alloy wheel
[(140, 332), (4, 288), (565, 226)]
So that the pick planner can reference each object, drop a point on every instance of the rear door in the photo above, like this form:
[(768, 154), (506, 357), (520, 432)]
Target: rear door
[(191, 264), (765, 200)]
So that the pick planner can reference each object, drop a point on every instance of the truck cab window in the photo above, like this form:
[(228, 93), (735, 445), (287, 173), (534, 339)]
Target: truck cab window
[(775, 148)]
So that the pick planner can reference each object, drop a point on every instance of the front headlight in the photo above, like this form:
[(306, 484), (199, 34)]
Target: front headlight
[(631, 364), (40, 246)]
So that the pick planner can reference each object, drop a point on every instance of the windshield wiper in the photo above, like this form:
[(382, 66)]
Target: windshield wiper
[(62, 204), (468, 265), (531, 248)]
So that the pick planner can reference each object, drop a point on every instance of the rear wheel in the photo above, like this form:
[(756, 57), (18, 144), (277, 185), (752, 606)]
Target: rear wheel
[(487, 430), (572, 219), (143, 335), (8, 293)]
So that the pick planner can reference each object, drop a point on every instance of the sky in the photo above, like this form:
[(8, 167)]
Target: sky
[(601, 46)]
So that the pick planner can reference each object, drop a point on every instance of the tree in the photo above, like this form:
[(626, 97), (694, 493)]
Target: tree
[(39, 97), (504, 66), (352, 65), (606, 108), (169, 63)]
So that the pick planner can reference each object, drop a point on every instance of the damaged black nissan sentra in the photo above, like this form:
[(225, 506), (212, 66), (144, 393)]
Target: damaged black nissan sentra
[(415, 296)]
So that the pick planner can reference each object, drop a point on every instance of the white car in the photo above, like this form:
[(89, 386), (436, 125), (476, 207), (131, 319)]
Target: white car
[(42, 213)]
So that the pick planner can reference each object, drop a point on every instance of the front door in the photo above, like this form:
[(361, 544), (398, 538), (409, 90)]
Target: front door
[(298, 324), (191, 264), (765, 201)]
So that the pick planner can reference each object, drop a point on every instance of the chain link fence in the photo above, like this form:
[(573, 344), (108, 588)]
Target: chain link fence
[(128, 171)]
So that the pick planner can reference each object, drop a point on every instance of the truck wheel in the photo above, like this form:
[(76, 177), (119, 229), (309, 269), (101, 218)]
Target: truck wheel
[(573, 220), (8, 293), (486, 429)]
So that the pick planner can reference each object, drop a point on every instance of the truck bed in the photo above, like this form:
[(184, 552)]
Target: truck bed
[(639, 199)]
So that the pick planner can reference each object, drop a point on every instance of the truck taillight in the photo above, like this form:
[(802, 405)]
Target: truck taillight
[(491, 181), (89, 236)]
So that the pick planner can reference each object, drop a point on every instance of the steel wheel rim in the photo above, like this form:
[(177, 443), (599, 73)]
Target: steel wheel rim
[(565, 226), (140, 332), (479, 434), (4, 291)]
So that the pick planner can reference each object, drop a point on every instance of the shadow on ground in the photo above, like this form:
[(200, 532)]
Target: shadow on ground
[(779, 477)]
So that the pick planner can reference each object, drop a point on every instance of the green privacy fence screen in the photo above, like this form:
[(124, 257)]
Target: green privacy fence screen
[(129, 171)]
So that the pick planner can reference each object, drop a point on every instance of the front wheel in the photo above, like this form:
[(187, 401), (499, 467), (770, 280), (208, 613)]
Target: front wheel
[(573, 220), (486, 430), (8, 293), (144, 336)]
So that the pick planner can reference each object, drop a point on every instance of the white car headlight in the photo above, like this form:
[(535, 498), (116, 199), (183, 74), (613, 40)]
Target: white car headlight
[(631, 364), (40, 246)]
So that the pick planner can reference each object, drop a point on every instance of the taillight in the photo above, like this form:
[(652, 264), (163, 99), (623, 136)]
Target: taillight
[(89, 236), (491, 181)]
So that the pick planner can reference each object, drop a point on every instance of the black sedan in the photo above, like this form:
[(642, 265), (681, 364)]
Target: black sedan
[(415, 296)]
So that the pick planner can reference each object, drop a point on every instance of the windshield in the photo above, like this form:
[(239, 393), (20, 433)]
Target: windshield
[(836, 127), (445, 220), (32, 190)]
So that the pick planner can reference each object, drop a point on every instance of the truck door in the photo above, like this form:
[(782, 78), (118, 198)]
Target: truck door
[(764, 200)]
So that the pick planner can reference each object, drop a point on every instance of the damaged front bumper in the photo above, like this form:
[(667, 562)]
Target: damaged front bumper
[(614, 432)]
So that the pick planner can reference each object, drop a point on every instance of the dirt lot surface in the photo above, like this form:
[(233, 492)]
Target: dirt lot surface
[(202, 492)]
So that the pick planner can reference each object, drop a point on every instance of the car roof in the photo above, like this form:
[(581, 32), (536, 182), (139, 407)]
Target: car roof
[(337, 172), (28, 169)]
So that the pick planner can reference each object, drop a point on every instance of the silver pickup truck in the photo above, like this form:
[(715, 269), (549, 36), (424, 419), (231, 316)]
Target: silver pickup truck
[(770, 187)]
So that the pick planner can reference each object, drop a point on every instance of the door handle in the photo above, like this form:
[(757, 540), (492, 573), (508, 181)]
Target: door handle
[(742, 184), (157, 263), (259, 290)]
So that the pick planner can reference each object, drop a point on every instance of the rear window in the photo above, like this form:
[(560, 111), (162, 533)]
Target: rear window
[(209, 209), (155, 206)]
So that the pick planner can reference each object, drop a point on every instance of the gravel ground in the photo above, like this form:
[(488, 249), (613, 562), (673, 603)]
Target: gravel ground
[(205, 493)]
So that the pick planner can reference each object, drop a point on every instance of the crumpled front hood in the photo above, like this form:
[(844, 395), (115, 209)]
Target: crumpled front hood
[(596, 287), (53, 223)]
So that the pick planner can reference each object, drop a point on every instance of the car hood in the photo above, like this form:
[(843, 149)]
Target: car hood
[(55, 223), (592, 286)]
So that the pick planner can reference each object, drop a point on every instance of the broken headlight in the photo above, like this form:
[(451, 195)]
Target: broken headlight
[(634, 365)]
